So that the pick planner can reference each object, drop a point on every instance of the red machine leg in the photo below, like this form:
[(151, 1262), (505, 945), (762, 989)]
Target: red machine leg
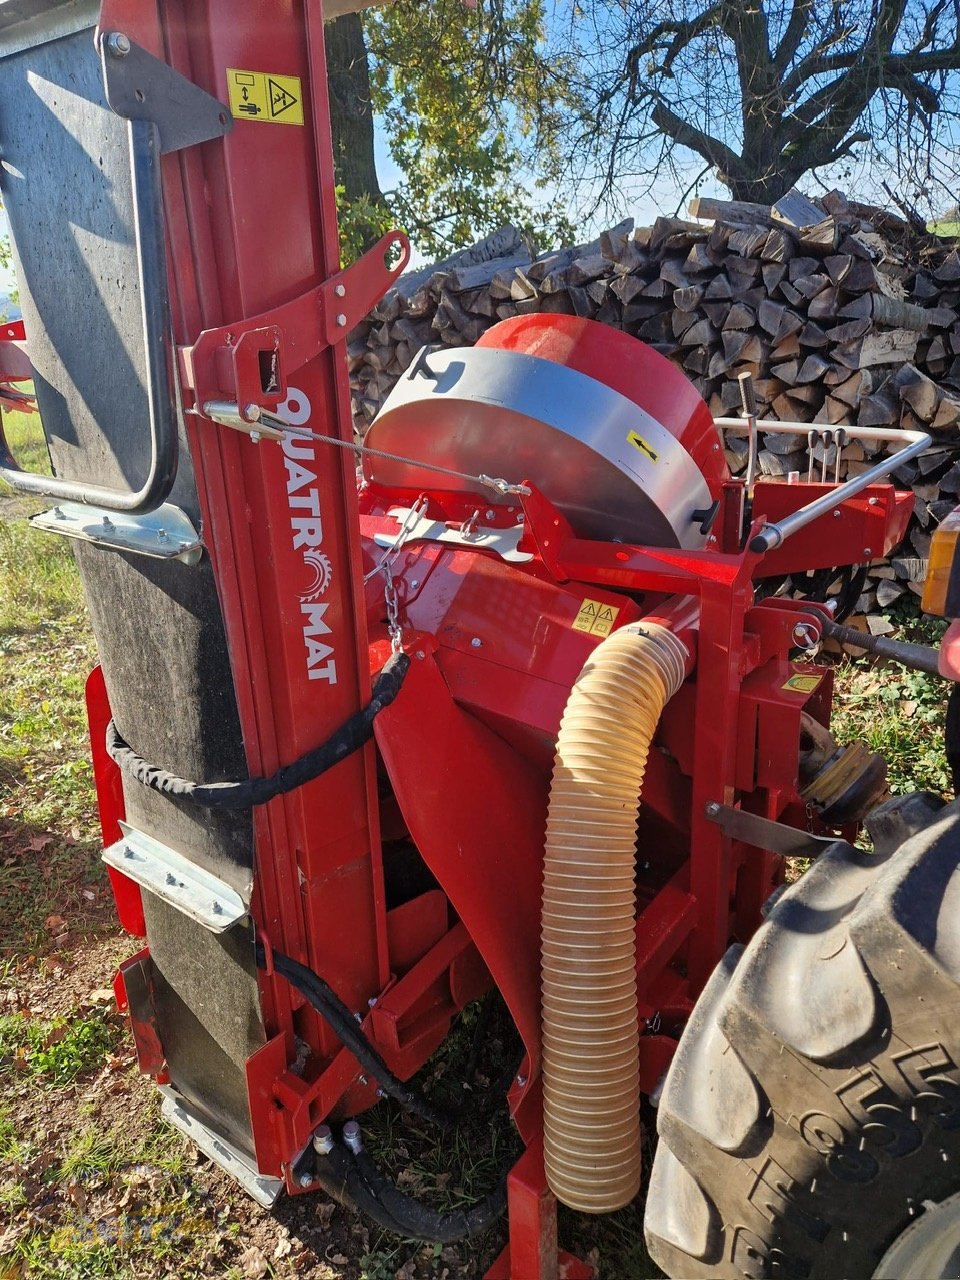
[(532, 1252)]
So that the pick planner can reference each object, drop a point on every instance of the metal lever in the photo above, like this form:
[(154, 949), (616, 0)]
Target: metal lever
[(839, 439), (748, 400), (144, 143), (772, 535)]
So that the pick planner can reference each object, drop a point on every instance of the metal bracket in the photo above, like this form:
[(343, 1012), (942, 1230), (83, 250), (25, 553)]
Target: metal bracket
[(170, 876), (482, 537), (222, 1152), (141, 87), (762, 833), (164, 534)]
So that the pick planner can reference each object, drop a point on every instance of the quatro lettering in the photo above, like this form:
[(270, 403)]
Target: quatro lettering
[(306, 529)]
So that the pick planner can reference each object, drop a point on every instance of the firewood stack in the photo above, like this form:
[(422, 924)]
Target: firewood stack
[(842, 315)]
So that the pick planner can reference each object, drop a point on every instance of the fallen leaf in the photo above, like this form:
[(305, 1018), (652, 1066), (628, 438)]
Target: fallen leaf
[(55, 923), (39, 843), (102, 995), (253, 1264), (284, 1247)]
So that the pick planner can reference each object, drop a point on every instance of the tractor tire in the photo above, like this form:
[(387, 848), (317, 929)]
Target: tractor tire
[(810, 1120)]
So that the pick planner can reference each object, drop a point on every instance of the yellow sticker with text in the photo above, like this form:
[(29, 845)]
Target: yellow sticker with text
[(802, 684), (260, 95), (638, 442), (595, 618)]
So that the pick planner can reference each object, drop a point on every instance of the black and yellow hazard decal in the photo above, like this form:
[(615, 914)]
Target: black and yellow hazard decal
[(595, 618), (260, 95)]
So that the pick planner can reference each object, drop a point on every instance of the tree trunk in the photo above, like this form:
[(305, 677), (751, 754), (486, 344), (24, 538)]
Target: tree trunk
[(765, 190), (351, 111)]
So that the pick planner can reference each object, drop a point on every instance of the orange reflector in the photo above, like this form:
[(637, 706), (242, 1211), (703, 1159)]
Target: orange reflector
[(942, 549)]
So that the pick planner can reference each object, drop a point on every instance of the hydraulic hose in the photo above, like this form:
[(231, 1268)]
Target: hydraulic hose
[(321, 997), (590, 1027), (355, 1181)]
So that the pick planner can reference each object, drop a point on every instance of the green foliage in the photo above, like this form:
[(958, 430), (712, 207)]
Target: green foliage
[(362, 221), (469, 102), (56, 1051), (6, 263), (897, 712)]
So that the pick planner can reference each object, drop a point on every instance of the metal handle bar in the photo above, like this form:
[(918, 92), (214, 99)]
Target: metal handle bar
[(144, 142), (772, 535)]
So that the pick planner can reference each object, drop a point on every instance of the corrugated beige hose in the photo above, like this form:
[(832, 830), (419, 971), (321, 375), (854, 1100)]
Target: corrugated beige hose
[(590, 1033)]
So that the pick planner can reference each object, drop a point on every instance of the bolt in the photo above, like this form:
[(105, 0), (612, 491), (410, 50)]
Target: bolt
[(521, 1081), (476, 643), (341, 320), (488, 514), (872, 502), (107, 522), (305, 1179), (162, 535), (323, 1140), (713, 808), (171, 878), (520, 518), (358, 1017), (254, 437), (217, 909), (340, 290), (805, 635), (351, 1136), (419, 655), (414, 583), (362, 1080), (836, 515), (252, 412), (58, 512), (868, 553), (127, 851), (371, 1002), (118, 44), (382, 1093)]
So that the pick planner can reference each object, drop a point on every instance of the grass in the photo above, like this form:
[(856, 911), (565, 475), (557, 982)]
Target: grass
[(56, 1050), (107, 1204), (896, 712), (25, 438), (49, 855)]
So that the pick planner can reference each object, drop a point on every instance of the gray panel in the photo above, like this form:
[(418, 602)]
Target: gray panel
[(159, 626)]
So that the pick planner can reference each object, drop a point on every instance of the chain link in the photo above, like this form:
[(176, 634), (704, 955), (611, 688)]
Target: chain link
[(385, 566), (392, 601)]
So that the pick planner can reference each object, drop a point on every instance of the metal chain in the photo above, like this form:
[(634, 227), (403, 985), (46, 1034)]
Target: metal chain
[(410, 522), (503, 487), (385, 566), (392, 601)]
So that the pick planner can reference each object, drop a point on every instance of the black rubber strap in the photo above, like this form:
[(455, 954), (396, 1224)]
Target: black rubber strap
[(351, 735)]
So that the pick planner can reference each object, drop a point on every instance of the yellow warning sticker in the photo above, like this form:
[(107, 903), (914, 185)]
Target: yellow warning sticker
[(638, 442), (802, 684), (259, 95), (595, 618)]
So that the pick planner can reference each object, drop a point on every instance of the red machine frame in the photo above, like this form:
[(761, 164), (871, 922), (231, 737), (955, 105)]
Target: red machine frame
[(300, 671)]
